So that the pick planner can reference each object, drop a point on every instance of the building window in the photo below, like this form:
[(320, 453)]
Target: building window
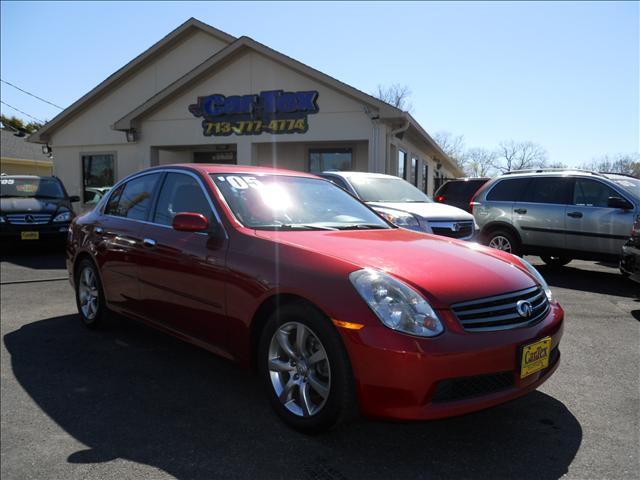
[(98, 173), (425, 176), (402, 163), (413, 173), (322, 159)]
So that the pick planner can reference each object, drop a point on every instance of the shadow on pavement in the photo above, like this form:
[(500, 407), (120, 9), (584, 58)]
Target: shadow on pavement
[(607, 283), (42, 257), (131, 392)]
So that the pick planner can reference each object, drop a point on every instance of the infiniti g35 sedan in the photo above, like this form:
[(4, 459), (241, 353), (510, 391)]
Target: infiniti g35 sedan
[(337, 309)]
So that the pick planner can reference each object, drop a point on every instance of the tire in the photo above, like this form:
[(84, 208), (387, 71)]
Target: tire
[(504, 240), (312, 391), (90, 296), (555, 261)]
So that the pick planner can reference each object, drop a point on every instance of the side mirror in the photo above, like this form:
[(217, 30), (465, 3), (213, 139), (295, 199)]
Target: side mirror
[(74, 198), (617, 202), (190, 222)]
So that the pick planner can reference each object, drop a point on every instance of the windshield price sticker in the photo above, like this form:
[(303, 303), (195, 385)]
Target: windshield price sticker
[(242, 183), (274, 111)]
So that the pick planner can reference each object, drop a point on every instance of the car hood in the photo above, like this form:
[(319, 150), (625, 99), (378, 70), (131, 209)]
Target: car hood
[(430, 211), (446, 270), (30, 205)]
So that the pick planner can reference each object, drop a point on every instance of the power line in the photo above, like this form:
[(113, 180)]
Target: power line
[(29, 93), (24, 113)]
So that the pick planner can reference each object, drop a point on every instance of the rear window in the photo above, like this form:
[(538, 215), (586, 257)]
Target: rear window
[(460, 190), (508, 190)]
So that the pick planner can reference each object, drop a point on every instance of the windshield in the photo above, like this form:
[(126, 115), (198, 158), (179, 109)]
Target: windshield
[(267, 202), (387, 190), (43, 187), (631, 185)]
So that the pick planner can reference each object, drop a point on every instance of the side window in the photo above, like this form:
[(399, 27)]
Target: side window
[(180, 193), (134, 199), (590, 193), (339, 182), (555, 190), (112, 204), (509, 190)]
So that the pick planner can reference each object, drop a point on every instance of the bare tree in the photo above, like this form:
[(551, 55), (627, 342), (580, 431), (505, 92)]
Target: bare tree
[(519, 155), (557, 165), (396, 95), (453, 146), (480, 162), (627, 163)]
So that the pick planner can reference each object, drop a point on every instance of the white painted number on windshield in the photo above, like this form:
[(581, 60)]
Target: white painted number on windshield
[(242, 183)]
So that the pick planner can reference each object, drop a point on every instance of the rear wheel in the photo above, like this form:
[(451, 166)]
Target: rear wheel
[(555, 261), (305, 369), (90, 295), (503, 240)]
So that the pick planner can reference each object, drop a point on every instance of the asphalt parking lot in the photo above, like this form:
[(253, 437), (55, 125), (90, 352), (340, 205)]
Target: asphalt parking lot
[(130, 402)]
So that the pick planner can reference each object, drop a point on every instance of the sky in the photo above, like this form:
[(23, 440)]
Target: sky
[(564, 75)]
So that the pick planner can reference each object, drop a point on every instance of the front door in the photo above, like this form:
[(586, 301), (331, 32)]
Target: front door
[(592, 226), (540, 214), (182, 276)]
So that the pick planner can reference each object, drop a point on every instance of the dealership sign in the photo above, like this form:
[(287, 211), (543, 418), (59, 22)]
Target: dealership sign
[(273, 111)]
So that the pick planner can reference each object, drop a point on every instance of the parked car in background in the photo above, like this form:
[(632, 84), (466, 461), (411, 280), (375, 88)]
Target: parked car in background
[(630, 259), (459, 192), (92, 195), (404, 205), (34, 208), (337, 308), (558, 214)]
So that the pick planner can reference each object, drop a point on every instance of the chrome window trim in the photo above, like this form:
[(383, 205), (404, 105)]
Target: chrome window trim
[(106, 198)]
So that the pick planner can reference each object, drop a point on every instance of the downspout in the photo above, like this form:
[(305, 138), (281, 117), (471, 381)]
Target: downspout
[(391, 134)]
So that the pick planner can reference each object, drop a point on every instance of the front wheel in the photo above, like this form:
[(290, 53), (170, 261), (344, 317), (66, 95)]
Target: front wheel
[(305, 369), (555, 261)]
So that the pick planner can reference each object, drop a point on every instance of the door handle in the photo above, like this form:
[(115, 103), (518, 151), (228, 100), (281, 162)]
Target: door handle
[(149, 242), (575, 214), (521, 211)]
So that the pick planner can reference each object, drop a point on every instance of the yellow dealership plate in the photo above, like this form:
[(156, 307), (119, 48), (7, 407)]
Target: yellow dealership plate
[(30, 235), (535, 357)]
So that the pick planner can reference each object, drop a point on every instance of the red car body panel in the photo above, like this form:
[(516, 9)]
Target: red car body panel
[(207, 290)]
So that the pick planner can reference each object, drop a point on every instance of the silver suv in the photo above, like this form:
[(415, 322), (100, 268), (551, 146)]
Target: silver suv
[(558, 214)]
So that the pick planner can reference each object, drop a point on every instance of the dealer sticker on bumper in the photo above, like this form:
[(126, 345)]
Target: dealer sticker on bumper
[(535, 357)]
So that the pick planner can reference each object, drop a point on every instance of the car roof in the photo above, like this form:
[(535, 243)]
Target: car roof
[(207, 168), (344, 174), (26, 177)]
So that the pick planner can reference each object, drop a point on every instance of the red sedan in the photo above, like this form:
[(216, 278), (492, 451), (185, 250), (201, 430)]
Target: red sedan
[(337, 309)]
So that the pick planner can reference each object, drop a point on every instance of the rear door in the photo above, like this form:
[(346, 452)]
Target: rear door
[(497, 205), (118, 242), (183, 274), (540, 214), (592, 226)]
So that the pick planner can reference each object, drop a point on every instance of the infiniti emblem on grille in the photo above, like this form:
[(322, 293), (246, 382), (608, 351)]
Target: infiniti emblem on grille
[(524, 308), (455, 227), (29, 219)]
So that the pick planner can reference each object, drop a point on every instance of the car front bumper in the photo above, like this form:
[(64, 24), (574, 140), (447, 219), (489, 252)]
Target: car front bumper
[(404, 377), (630, 259), (46, 232)]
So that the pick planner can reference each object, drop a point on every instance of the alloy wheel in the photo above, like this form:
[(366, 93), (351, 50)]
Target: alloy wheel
[(88, 293), (500, 243), (299, 369)]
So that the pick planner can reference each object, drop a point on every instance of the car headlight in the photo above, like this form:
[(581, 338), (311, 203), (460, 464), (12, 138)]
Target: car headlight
[(539, 277), (63, 217), (401, 219), (397, 305)]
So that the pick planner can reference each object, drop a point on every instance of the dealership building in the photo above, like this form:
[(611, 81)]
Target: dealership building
[(201, 95)]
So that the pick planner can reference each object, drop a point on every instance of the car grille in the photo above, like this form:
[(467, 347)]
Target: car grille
[(468, 387), (452, 229), (500, 313), (29, 219)]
